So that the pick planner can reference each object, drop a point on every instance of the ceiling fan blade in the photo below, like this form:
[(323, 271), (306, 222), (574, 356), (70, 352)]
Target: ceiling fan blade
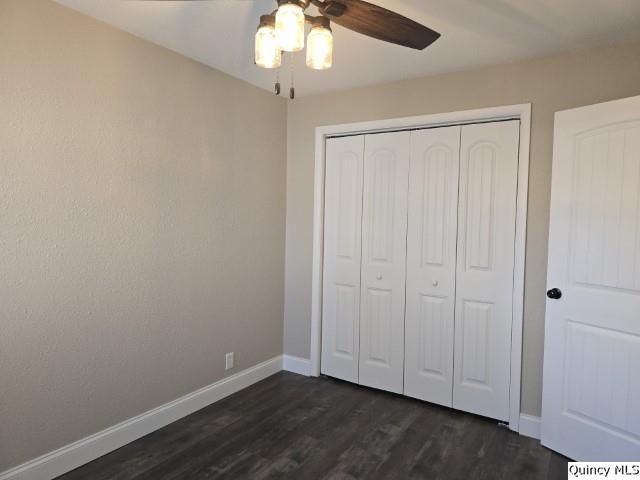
[(377, 22)]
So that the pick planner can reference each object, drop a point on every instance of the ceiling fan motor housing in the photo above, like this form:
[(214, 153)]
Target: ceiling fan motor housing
[(333, 9)]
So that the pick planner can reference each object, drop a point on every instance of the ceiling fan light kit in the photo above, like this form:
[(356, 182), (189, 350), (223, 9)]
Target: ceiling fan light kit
[(284, 31)]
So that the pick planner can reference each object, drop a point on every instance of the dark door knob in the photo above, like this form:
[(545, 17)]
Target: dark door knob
[(554, 294)]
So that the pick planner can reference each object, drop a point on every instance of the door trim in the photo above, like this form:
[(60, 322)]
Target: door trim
[(520, 112)]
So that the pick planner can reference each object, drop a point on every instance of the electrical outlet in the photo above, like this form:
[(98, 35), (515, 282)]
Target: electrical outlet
[(228, 361)]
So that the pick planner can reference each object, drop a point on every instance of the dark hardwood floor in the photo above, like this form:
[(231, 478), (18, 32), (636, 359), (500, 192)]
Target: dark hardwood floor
[(290, 426)]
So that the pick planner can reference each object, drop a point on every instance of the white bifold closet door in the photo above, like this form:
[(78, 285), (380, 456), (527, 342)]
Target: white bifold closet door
[(384, 233), (431, 264), (460, 261), (342, 246), (419, 263), (485, 263)]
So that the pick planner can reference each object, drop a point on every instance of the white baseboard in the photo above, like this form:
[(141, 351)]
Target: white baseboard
[(530, 426), (298, 365), (83, 451)]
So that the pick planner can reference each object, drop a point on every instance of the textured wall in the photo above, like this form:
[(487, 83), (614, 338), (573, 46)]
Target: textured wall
[(550, 84), (142, 209)]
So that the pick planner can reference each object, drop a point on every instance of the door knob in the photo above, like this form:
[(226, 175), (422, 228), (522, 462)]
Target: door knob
[(379, 276), (554, 293), (435, 283)]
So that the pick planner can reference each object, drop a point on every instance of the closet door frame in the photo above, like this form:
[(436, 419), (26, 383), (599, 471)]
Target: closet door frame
[(520, 112)]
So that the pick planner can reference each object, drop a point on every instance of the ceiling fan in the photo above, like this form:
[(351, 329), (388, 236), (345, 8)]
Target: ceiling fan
[(283, 30)]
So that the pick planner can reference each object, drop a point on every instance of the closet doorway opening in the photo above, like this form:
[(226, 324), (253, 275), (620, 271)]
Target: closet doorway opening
[(519, 117)]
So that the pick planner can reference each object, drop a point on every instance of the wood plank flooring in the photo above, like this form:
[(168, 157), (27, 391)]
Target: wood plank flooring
[(292, 427)]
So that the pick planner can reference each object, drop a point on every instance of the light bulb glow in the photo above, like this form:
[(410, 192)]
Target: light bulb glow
[(290, 27), (319, 48), (268, 54)]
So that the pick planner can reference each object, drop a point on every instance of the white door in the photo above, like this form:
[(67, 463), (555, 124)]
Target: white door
[(431, 264), (384, 234), (485, 263), (342, 243), (591, 393)]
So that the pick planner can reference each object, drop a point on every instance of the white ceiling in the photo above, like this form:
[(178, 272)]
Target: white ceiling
[(220, 33)]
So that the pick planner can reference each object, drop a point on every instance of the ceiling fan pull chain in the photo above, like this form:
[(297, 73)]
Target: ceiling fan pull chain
[(277, 86), (292, 90)]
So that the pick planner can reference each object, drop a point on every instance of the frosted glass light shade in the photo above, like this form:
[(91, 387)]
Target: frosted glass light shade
[(268, 54), (320, 48), (290, 27)]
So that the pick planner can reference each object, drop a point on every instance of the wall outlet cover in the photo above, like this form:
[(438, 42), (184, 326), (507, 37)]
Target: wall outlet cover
[(228, 364)]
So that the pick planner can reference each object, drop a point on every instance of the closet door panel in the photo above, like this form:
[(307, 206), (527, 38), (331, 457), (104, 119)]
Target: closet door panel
[(342, 257), (485, 263), (384, 224), (431, 264)]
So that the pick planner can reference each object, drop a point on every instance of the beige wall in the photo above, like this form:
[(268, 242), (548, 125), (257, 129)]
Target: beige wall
[(550, 84), (142, 210)]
